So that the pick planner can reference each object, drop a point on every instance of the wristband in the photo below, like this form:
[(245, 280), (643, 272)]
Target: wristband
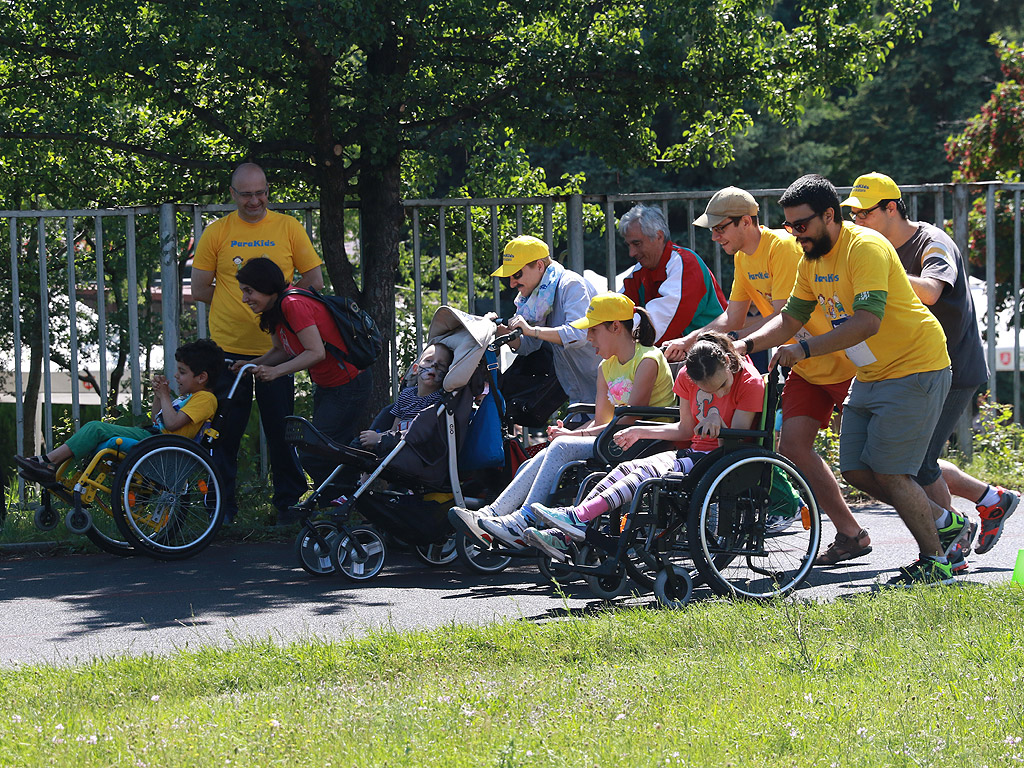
[(747, 345), (806, 349)]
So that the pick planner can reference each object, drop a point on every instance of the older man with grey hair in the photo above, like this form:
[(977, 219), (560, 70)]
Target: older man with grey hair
[(671, 282)]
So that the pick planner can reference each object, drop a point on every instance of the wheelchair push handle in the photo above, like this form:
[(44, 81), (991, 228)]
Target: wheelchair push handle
[(241, 372)]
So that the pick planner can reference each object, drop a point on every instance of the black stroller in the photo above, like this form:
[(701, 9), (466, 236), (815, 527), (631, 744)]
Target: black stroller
[(455, 453)]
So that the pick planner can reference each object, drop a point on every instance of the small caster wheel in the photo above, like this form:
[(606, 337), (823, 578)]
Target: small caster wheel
[(78, 521), (46, 518)]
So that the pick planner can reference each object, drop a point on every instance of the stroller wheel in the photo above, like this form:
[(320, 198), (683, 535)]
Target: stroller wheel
[(480, 559), (353, 565), (313, 547), (437, 554)]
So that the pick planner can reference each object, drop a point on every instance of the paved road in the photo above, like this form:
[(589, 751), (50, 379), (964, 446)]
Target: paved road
[(73, 608)]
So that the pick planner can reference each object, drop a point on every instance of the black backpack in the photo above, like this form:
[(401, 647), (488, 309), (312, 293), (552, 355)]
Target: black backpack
[(355, 325)]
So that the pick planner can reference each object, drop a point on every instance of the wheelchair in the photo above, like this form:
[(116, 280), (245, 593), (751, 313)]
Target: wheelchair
[(743, 520), (160, 497)]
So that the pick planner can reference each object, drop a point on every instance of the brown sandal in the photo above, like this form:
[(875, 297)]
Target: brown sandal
[(845, 548)]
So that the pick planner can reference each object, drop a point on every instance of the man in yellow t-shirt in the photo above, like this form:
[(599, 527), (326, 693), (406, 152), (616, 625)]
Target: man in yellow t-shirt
[(898, 347), (250, 232), (765, 269)]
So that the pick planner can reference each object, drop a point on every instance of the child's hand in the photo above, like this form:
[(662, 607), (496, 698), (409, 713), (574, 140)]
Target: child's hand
[(557, 430), (710, 426), (368, 438), (160, 385), (627, 437)]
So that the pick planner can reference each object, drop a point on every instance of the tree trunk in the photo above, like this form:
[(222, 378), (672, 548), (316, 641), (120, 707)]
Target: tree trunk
[(30, 403), (381, 202)]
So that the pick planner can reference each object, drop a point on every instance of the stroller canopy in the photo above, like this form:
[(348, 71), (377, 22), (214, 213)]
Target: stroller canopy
[(467, 336)]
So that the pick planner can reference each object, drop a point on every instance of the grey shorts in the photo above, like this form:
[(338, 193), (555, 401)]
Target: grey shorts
[(888, 425), (953, 407)]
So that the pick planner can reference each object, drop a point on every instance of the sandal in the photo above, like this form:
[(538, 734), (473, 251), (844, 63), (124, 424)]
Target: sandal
[(845, 548), (36, 469)]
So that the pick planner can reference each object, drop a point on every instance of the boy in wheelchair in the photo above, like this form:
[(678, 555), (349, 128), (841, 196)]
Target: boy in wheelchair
[(722, 389), (198, 364)]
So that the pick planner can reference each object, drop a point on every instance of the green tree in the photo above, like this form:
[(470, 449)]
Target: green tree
[(333, 94)]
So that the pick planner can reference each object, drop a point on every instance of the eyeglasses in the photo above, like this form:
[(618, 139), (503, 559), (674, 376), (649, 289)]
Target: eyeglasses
[(861, 215), (720, 229), (251, 195), (799, 226), (516, 275)]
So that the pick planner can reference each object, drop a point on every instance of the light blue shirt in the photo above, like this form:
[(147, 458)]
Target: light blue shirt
[(575, 360)]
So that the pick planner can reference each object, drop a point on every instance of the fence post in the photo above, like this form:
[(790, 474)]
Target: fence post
[(169, 285), (574, 212)]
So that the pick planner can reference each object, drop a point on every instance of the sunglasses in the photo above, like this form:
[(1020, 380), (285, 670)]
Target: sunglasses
[(799, 226)]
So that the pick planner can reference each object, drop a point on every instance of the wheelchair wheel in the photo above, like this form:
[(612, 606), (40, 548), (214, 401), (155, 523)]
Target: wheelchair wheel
[(438, 553), (673, 586), (603, 587), (347, 559), (313, 547), (167, 498), (480, 559), (727, 525), (557, 572)]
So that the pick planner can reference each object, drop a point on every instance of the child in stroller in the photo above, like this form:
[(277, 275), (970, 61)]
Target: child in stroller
[(423, 468)]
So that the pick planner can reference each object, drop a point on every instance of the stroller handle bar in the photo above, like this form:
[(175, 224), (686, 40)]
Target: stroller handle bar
[(500, 341)]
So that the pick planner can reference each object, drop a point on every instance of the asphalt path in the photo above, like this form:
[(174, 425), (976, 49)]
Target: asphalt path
[(70, 609)]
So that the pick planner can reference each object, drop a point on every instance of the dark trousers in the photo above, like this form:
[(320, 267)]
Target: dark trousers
[(338, 412), (276, 400)]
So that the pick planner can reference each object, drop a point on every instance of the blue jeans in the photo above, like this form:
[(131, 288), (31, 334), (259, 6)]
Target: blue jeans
[(338, 412), (276, 399)]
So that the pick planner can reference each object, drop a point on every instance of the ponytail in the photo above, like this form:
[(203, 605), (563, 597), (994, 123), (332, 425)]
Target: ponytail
[(643, 332)]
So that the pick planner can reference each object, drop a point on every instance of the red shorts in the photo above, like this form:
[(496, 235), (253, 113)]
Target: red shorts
[(801, 398)]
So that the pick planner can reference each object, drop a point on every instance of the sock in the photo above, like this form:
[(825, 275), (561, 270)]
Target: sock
[(989, 497), (590, 509), (944, 519)]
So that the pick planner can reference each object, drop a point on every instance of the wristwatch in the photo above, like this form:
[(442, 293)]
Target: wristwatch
[(733, 335)]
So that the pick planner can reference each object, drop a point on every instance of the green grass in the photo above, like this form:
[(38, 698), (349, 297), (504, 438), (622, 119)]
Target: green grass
[(930, 677)]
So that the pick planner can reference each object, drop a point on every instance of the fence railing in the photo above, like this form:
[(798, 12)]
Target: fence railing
[(451, 246)]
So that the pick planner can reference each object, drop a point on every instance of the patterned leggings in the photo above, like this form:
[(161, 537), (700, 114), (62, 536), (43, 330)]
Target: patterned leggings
[(619, 486)]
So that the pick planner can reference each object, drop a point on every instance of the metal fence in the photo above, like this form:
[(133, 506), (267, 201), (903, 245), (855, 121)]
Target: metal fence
[(448, 244)]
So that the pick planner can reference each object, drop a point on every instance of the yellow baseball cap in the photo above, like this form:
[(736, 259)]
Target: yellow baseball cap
[(870, 189), (606, 307), (519, 252)]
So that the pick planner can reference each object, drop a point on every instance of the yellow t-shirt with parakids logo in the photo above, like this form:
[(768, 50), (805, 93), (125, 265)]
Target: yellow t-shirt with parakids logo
[(909, 340), (225, 246), (767, 275)]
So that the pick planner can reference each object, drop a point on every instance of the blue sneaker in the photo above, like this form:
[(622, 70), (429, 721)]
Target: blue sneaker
[(561, 518), (551, 543)]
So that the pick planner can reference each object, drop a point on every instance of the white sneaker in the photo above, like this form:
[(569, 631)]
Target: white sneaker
[(508, 529), (467, 521)]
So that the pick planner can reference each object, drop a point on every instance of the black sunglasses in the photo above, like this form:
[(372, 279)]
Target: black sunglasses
[(799, 226)]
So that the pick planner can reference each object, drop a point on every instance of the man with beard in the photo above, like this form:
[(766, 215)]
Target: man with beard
[(900, 353), (765, 263)]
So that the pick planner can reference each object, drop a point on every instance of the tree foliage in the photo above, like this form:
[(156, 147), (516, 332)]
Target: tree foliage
[(165, 96)]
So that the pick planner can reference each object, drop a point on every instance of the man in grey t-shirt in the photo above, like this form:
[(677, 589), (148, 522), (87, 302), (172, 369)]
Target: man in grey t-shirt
[(939, 277)]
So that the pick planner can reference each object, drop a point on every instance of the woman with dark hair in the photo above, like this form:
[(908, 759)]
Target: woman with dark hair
[(299, 326)]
